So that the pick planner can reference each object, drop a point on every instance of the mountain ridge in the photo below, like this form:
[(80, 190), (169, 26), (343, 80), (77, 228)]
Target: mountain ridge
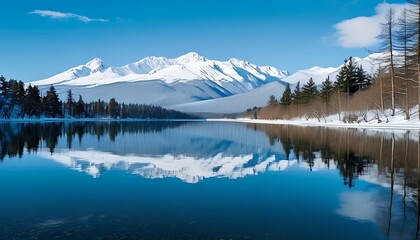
[(190, 83)]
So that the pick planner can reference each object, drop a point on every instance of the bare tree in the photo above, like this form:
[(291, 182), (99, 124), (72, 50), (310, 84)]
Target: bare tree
[(387, 36)]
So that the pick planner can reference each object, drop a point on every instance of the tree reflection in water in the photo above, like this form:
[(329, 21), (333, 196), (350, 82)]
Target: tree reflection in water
[(355, 152), (17, 137)]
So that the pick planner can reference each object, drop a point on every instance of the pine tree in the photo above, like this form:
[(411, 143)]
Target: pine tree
[(32, 104), (297, 94), (113, 109), (52, 104), (286, 99), (309, 91), (363, 80), (272, 101), (347, 77), (4, 87), (14, 98), (124, 113), (70, 103), (79, 110), (3, 90), (327, 89)]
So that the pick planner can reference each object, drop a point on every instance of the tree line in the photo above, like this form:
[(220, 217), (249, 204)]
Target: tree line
[(350, 79), (16, 101)]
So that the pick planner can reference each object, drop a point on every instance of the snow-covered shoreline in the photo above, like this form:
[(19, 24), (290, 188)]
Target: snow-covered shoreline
[(313, 123), (390, 125)]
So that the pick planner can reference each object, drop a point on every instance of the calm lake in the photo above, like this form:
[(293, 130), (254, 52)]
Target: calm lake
[(206, 180)]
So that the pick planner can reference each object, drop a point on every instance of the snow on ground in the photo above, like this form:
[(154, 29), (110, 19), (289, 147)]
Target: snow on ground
[(374, 121)]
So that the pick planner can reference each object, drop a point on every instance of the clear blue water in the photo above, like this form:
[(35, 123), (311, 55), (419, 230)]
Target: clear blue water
[(203, 180)]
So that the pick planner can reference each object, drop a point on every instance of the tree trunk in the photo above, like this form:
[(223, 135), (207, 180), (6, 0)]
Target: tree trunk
[(392, 62)]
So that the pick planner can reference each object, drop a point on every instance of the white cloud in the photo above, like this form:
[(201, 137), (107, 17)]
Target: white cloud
[(61, 15), (363, 31)]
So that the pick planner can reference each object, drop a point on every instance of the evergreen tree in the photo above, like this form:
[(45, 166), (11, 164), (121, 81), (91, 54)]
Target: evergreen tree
[(99, 109), (79, 110), (4, 87), (347, 77), (272, 101), (113, 109), (327, 89), (124, 113), (32, 103), (286, 99), (363, 79), (297, 94), (52, 104), (14, 99), (309, 91), (70, 103)]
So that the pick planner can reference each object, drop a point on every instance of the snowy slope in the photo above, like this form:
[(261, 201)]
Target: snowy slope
[(236, 103)]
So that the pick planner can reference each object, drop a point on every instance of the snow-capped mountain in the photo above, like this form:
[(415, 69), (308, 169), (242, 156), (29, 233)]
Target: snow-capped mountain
[(190, 83), (162, 81)]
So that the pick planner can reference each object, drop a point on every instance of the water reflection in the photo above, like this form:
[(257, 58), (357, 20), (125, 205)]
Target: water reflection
[(196, 151), (214, 150)]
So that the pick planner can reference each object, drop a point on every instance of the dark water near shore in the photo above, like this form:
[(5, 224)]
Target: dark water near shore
[(206, 180)]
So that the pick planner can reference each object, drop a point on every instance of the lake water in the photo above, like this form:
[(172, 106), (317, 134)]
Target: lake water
[(205, 180)]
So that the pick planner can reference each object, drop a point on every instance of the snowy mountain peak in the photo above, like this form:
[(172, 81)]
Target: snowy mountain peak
[(96, 65), (94, 62), (236, 61), (191, 57)]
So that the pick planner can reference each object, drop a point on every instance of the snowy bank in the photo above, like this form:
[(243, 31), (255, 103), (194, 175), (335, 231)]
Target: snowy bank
[(372, 120)]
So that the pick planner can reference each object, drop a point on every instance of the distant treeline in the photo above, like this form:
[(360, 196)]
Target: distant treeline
[(16, 101)]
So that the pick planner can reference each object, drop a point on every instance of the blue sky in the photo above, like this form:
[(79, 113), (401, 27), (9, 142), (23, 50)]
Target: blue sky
[(40, 38)]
